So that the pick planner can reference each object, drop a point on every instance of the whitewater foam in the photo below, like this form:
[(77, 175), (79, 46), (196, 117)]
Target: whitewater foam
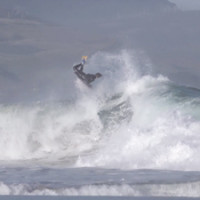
[(129, 120), (164, 190)]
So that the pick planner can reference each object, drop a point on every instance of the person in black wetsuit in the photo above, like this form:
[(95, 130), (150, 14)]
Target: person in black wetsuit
[(87, 78)]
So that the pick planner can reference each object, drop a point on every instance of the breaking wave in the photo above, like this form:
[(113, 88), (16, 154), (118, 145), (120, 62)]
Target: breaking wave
[(129, 119)]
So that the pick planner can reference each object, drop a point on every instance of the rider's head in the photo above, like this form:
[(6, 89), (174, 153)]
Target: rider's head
[(98, 75)]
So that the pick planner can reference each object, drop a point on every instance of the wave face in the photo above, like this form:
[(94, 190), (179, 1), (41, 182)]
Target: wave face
[(128, 120)]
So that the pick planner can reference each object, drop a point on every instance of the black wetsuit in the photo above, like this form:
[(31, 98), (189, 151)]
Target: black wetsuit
[(87, 78)]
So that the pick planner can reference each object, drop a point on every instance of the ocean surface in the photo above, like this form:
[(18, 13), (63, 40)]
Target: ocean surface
[(133, 134)]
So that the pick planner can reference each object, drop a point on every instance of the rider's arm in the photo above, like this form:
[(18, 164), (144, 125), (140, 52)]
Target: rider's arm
[(78, 67)]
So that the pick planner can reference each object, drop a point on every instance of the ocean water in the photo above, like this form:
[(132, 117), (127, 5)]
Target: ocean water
[(133, 134)]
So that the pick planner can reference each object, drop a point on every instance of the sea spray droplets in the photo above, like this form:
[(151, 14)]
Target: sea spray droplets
[(134, 121)]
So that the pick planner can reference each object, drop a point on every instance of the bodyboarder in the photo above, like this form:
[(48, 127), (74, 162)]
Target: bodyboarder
[(86, 78)]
